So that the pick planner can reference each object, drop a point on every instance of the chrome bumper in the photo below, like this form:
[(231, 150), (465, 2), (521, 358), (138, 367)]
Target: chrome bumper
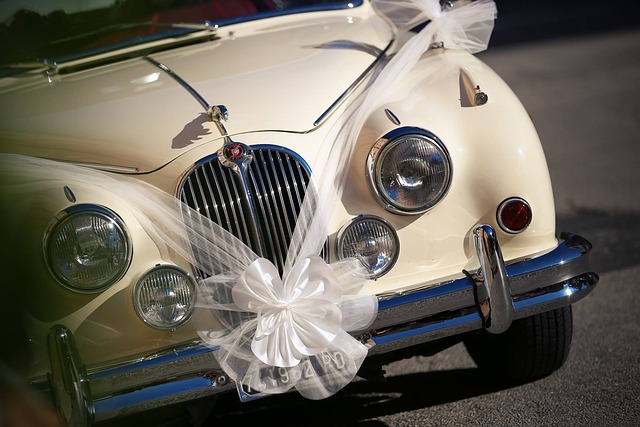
[(490, 297)]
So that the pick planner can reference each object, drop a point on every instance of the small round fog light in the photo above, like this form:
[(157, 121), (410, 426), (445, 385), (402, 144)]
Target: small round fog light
[(164, 297), (372, 240), (514, 215)]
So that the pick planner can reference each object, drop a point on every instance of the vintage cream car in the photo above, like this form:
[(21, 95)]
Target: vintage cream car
[(419, 161)]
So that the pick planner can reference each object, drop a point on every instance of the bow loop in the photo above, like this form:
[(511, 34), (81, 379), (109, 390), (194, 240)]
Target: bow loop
[(465, 26), (297, 318)]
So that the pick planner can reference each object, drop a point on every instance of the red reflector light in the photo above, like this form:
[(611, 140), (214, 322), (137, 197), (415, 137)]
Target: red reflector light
[(514, 215)]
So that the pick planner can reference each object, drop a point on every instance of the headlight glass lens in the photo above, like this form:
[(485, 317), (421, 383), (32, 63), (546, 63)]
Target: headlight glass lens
[(372, 240), (87, 248), (164, 297), (410, 170)]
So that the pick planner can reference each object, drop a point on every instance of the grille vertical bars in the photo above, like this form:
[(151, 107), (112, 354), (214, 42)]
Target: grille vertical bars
[(278, 181)]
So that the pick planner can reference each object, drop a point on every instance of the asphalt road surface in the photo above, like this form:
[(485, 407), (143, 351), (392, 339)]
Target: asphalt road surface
[(577, 71)]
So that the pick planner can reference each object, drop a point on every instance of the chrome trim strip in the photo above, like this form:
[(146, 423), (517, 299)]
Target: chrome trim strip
[(109, 168), (354, 85), (207, 107), (288, 11)]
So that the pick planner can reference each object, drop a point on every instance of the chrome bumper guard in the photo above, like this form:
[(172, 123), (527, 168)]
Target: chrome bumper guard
[(490, 297)]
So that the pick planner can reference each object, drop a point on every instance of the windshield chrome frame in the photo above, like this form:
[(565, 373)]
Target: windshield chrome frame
[(179, 31)]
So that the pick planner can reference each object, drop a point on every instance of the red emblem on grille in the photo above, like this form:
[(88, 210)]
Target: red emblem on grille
[(234, 152)]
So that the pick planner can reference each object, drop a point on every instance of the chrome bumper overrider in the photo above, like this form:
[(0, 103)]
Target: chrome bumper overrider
[(490, 297)]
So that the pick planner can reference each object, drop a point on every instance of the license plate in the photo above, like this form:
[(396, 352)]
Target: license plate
[(247, 394)]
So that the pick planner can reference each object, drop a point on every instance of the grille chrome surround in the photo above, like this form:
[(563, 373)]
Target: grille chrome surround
[(277, 182)]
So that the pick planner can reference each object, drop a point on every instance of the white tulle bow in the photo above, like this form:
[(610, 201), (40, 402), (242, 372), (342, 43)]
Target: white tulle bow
[(291, 333), (295, 318)]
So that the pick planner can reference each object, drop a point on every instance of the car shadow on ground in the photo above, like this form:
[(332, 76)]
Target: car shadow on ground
[(360, 401)]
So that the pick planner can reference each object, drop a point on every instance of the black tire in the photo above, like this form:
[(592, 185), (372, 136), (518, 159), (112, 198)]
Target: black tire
[(532, 348)]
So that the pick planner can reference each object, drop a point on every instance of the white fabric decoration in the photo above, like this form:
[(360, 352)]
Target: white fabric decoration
[(297, 318), (291, 331)]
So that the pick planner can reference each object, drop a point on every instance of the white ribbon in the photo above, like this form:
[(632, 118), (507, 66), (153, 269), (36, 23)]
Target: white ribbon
[(297, 318)]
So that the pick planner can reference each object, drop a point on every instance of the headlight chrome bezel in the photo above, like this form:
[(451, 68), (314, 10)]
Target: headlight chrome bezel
[(165, 268), (378, 155), (381, 222), (108, 216)]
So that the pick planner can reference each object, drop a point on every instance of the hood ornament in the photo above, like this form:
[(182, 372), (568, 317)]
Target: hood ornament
[(218, 114), (234, 155)]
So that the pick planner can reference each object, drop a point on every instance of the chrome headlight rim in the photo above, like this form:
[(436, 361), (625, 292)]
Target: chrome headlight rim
[(393, 234), (136, 299), (65, 216), (382, 147)]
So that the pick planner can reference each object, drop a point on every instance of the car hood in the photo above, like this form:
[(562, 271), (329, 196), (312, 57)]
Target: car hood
[(280, 75)]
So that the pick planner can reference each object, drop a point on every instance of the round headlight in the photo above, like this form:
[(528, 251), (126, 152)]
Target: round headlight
[(372, 240), (164, 297), (410, 170), (87, 248)]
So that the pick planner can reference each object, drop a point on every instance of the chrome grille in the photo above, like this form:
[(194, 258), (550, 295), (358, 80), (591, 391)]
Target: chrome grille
[(277, 179)]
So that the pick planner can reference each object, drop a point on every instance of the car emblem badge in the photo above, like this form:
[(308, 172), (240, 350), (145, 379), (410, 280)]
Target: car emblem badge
[(234, 155), (234, 152)]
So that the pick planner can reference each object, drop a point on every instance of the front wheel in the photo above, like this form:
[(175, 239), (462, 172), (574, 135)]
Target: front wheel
[(532, 348)]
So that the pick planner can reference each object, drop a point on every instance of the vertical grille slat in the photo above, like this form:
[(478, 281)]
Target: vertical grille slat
[(277, 180), (215, 215), (228, 194), (294, 197), (263, 185), (281, 184), (273, 196), (206, 204)]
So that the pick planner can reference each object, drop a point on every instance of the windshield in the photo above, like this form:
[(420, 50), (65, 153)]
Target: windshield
[(55, 31)]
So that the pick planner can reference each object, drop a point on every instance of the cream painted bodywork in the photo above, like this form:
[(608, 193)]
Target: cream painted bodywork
[(132, 115)]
